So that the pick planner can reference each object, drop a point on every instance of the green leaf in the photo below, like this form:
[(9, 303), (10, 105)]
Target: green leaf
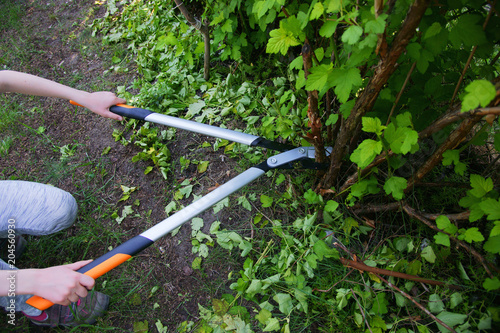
[(352, 34), (148, 170), (254, 287), (380, 304), (323, 250), (243, 201), (491, 208), (404, 120), (400, 139), (480, 186), (444, 224), (316, 11), (468, 30), (345, 81), (328, 28), (272, 325), (196, 264), (451, 319), (492, 244), (479, 92), (332, 119), (348, 224), (266, 201), (245, 247), (491, 284), (497, 141), (342, 295), (455, 300), (376, 26), (433, 30), (495, 231), (332, 206), (436, 305), (366, 152), (284, 302), (202, 166), (141, 326), (428, 254), (443, 239), (395, 186), (319, 77), (473, 235), (281, 39), (220, 205), (451, 156), (334, 6), (372, 125), (263, 316)]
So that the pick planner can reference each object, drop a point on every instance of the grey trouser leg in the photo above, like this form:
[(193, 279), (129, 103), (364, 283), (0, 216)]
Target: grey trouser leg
[(33, 209)]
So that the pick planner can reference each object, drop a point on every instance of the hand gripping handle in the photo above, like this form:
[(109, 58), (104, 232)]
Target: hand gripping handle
[(126, 111), (102, 265)]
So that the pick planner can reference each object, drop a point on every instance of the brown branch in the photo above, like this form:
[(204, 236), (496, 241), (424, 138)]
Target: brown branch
[(452, 217), (368, 209), (451, 142), (360, 266), (382, 73), (314, 136), (438, 125), (420, 306), (412, 213), (454, 116)]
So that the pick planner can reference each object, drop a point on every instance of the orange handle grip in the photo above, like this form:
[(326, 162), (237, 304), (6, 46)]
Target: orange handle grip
[(104, 267)]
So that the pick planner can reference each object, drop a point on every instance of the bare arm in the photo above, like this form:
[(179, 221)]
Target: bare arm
[(98, 102), (58, 284)]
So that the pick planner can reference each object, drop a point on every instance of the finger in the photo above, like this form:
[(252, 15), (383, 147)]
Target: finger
[(81, 291), (87, 281), (114, 116), (73, 298), (77, 265)]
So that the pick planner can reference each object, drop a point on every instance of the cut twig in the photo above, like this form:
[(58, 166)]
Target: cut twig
[(359, 265), (361, 309), (420, 306)]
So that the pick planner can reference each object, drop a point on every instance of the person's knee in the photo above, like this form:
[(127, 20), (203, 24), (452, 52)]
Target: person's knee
[(64, 215), (37, 209)]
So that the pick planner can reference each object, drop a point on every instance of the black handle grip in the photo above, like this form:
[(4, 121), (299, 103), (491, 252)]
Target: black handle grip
[(130, 111)]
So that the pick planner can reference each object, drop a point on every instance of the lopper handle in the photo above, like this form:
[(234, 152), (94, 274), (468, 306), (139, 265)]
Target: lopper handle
[(102, 265), (126, 111)]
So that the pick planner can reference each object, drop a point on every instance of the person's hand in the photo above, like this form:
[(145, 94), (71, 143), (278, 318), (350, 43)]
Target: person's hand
[(58, 284), (100, 102)]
